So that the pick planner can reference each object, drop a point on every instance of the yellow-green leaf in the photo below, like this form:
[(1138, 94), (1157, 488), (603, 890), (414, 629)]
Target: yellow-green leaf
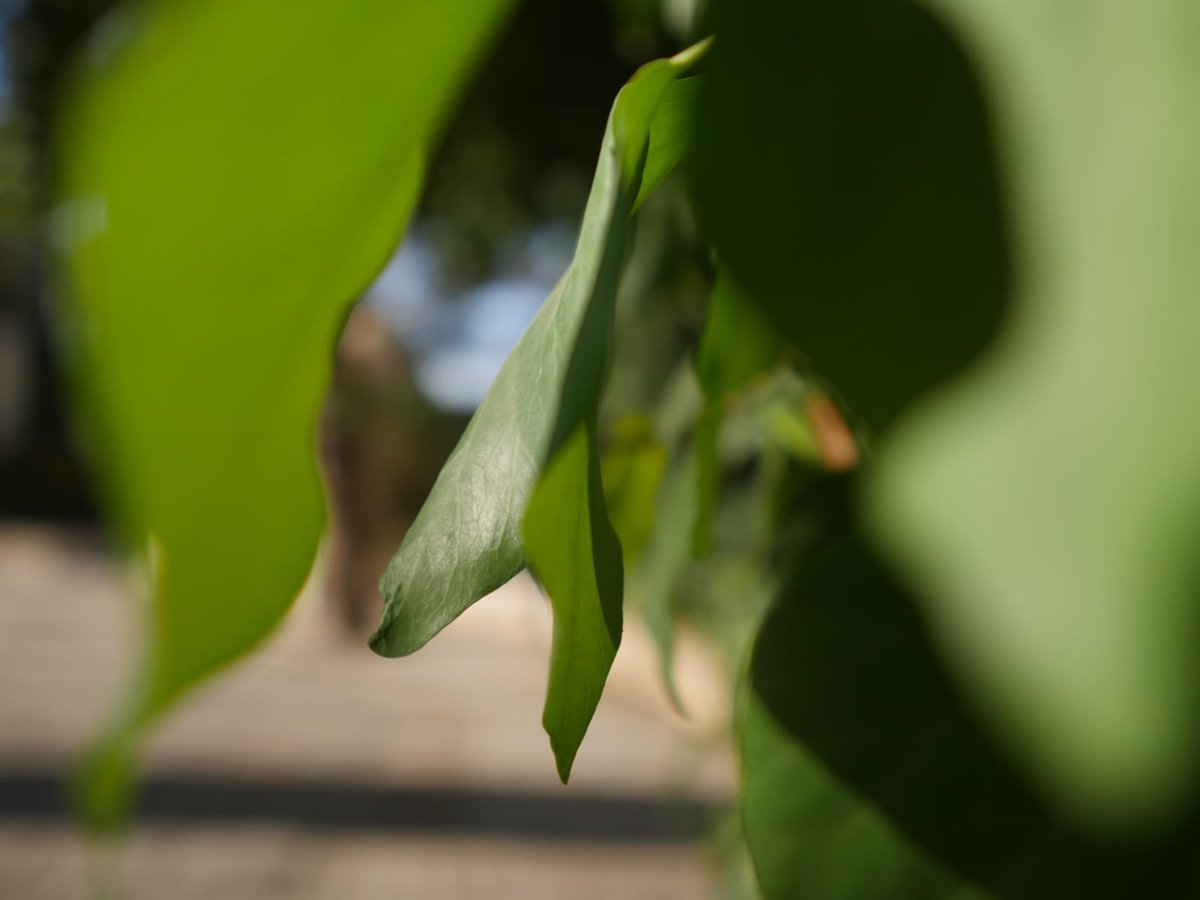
[(233, 174)]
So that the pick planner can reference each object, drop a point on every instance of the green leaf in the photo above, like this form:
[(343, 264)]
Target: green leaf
[(655, 582), (533, 438), (670, 134), (576, 556), (466, 540), (846, 685), (232, 176), (633, 464), (810, 836), (603, 241), (737, 345), (586, 595), (1048, 506), (843, 170)]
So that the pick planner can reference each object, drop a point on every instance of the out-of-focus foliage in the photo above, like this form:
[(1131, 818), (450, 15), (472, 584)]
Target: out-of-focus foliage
[(816, 838), (738, 344), (1040, 516), (844, 174), (633, 465), (897, 754), (16, 174), (1047, 506), (209, 286), (977, 676)]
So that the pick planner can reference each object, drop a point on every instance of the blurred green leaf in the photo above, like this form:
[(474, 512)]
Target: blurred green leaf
[(737, 345), (232, 176), (655, 581), (632, 465), (843, 170), (810, 836), (1048, 506), (861, 763)]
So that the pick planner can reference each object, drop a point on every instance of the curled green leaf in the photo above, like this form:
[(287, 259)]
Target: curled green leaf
[(533, 439)]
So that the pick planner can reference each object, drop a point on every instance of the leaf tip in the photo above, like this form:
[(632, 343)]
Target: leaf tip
[(564, 758), (563, 744), (392, 639), (378, 642), (688, 57)]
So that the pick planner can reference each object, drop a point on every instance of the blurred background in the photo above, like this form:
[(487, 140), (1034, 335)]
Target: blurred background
[(314, 768)]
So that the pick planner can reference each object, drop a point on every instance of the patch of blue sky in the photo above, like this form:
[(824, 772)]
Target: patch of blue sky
[(460, 340)]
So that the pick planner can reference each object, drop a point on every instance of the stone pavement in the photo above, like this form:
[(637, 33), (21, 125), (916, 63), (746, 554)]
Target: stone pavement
[(459, 721)]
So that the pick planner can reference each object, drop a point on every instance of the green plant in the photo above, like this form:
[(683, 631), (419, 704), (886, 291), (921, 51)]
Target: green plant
[(968, 220)]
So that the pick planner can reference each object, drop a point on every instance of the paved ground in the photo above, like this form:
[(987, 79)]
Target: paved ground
[(233, 863), (459, 720)]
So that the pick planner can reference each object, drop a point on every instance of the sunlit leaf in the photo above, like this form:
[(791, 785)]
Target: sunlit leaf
[(586, 596), (233, 175), (670, 134), (538, 421), (1048, 507), (466, 540), (603, 243), (577, 558)]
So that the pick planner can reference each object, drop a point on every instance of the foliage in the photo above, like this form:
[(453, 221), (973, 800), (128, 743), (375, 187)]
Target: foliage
[(526, 475), (1061, 581), (968, 221), (209, 286)]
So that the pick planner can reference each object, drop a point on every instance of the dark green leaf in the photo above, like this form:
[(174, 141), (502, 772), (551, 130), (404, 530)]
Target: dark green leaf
[(844, 668), (233, 176), (738, 343), (811, 836), (844, 173)]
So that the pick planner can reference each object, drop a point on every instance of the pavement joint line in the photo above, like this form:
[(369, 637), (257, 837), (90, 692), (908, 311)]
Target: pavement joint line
[(329, 806)]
